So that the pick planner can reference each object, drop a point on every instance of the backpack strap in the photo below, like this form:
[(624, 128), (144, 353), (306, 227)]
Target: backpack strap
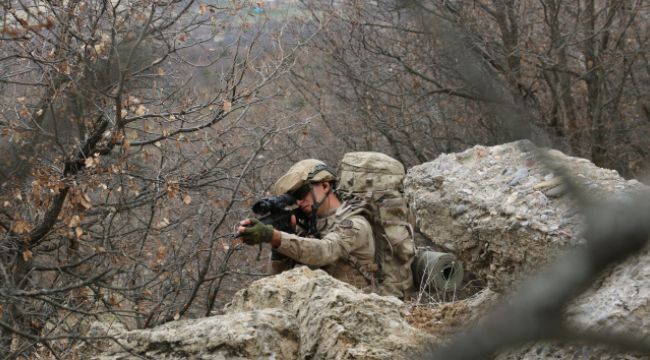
[(371, 272), (406, 224)]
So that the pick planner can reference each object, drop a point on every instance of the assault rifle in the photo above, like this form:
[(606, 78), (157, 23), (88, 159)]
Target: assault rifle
[(277, 211)]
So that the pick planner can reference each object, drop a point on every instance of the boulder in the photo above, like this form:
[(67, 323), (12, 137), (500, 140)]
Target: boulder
[(258, 334), (501, 210), (336, 320), (299, 314), (505, 214), (619, 302)]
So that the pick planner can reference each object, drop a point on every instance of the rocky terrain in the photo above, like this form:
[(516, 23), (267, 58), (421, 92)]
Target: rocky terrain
[(505, 214), (499, 209), (299, 314)]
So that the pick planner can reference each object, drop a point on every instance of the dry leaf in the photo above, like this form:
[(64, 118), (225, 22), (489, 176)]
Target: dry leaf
[(27, 255), (65, 68), (74, 221), (203, 8), (84, 200), (227, 106), (24, 112), (90, 162), (162, 224), (172, 189), (141, 110), (177, 315), (187, 199), (78, 232), (21, 226)]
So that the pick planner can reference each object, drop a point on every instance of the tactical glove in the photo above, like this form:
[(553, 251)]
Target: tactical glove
[(257, 233)]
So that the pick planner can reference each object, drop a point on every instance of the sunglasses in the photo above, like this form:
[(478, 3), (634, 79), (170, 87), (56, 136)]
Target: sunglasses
[(301, 192)]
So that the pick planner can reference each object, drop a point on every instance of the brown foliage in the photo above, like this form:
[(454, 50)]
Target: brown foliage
[(125, 163)]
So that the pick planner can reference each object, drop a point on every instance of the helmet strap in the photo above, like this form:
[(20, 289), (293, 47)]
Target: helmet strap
[(317, 204), (311, 224)]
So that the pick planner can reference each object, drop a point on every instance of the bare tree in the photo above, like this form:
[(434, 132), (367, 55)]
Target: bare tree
[(578, 68), (127, 159)]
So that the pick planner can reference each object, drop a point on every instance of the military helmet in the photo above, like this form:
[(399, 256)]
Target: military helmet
[(304, 172)]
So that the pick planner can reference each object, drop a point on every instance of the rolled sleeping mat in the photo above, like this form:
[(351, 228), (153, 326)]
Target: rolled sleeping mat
[(437, 272)]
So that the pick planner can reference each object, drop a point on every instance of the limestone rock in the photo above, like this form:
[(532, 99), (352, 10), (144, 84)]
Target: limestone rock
[(620, 303), (516, 218), (336, 320), (299, 314), (259, 334), (500, 210)]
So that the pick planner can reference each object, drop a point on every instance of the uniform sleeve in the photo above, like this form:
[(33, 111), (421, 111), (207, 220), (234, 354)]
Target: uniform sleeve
[(337, 244)]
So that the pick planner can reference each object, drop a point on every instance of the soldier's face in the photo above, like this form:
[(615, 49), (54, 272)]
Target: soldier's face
[(306, 199)]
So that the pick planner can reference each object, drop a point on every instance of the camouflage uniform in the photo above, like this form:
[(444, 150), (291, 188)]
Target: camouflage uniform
[(346, 249)]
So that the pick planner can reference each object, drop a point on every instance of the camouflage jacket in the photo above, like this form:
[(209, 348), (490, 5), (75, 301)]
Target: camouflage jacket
[(346, 249)]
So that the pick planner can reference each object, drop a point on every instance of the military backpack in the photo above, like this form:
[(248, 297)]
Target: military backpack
[(371, 183)]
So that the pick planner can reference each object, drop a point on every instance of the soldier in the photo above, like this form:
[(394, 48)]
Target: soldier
[(346, 249)]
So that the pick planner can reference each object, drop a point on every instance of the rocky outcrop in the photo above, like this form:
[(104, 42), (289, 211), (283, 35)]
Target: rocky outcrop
[(336, 320), (258, 334), (503, 213), (299, 314), (617, 303), (500, 210)]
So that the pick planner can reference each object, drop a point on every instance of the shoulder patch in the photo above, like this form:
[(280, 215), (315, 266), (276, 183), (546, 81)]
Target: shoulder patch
[(346, 224)]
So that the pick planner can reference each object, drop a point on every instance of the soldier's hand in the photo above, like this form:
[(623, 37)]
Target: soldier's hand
[(253, 232)]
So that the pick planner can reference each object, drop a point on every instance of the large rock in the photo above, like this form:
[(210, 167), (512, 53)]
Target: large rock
[(299, 314), (259, 334), (504, 214), (500, 210), (619, 302), (336, 320)]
